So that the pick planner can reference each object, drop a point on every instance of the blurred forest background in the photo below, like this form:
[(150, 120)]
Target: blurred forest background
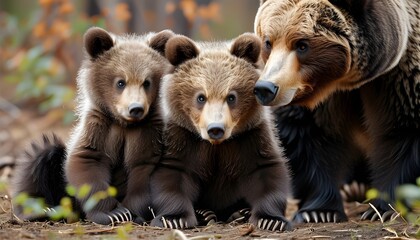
[(41, 51)]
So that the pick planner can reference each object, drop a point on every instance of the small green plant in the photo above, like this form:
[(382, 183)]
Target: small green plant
[(123, 232), (374, 193), (96, 197), (39, 75), (408, 203), (33, 207), (36, 207), (39, 58)]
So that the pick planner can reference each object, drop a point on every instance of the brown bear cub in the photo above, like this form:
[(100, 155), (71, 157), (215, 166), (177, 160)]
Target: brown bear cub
[(117, 139), (220, 148), (345, 76)]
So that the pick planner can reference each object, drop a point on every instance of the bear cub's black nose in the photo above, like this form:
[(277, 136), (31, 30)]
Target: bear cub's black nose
[(216, 130), (265, 91), (136, 110)]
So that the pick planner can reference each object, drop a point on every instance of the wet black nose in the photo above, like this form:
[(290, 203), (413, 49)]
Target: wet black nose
[(136, 110), (216, 130), (265, 91)]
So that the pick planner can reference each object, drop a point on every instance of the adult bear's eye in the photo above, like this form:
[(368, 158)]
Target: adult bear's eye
[(266, 48), (267, 44), (121, 84)]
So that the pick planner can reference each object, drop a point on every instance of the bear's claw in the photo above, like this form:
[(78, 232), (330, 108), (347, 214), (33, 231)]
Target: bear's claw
[(120, 215), (272, 224), (174, 223), (318, 217), (205, 217), (240, 216), (372, 215), (354, 191), (49, 211)]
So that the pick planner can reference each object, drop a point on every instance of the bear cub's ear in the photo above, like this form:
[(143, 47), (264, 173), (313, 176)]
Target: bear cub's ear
[(180, 49), (248, 47), (158, 41), (97, 41)]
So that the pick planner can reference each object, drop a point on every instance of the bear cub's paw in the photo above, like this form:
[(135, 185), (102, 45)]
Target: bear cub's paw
[(319, 216)]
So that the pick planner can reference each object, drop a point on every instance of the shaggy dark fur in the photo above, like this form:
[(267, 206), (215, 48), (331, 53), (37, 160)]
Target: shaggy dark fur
[(353, 69), (41, 173)]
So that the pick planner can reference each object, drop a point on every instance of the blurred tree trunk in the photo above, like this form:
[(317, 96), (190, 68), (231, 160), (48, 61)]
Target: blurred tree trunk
[(152, 15), (234, 17)]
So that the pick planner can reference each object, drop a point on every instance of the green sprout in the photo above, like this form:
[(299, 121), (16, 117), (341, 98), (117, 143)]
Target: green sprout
[(31, 206), (36, 207), (98, 196), (408, 202), (123, 232)]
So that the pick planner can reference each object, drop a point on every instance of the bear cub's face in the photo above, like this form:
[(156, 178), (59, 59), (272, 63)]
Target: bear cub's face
[(211, 90), (306, 50), (125, 72)]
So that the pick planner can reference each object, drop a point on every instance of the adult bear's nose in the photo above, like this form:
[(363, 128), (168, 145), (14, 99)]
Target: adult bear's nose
[(265, 92)]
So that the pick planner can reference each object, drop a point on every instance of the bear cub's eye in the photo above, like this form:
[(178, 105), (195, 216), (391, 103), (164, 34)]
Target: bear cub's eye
[(146, 83), (302, 46), (201, 98), (121, 83), (231, 98)]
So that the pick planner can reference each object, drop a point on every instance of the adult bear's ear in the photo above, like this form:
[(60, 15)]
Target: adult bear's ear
[(180, 49), (354, 7), (262, 2), (247, 46), (97, 41), (159, 40)]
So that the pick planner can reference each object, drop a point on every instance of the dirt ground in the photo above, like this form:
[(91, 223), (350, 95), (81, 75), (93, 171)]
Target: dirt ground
[(10, 228), (16, 133)]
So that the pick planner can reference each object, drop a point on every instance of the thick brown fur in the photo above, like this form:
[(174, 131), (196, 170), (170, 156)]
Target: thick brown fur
[(117, 137), (241, 165), (354, 65)]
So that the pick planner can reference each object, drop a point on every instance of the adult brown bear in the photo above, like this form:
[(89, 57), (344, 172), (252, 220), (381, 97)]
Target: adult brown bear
[(316, 51)]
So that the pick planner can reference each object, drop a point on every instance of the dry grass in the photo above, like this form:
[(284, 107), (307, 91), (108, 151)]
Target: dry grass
[(10, 228)]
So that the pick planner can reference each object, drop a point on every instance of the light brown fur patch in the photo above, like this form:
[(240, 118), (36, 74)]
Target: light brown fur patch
[(209, 77)]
